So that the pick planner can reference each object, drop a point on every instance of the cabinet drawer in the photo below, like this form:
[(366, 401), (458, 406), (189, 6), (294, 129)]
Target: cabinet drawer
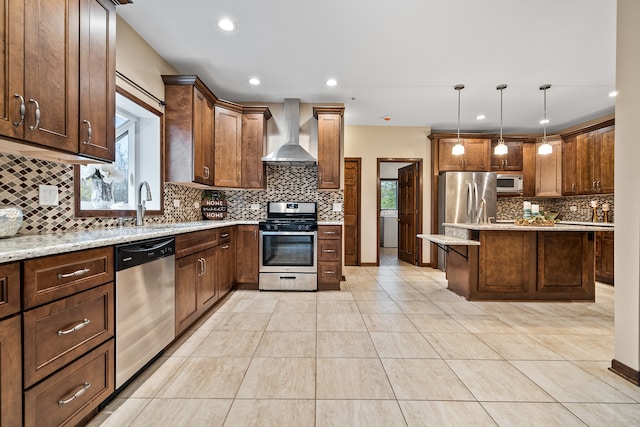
[(9, 289), (190, 243), (329, 232), (224, 235), (50, 278), (329, 272), (59, 332), (329, 250), (72, 393)]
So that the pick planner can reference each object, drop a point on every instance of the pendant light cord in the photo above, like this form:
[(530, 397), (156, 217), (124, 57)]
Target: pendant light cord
[(544, 119), (501, 114), (458, 116)]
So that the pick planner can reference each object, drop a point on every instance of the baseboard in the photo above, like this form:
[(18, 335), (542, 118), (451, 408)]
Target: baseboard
[(625, 372), (425, 264), (247, 286), (369, 264), (328, 286)]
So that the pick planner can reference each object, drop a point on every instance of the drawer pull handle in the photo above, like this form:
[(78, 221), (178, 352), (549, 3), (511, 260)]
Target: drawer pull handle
[(79, 393), (222, 236), (79, 326), (332, 233), (23, 110), (75, 273), (329, 250), (225, 247), (329, 272)]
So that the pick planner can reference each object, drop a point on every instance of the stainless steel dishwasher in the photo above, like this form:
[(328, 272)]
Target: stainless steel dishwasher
[(145, 303)]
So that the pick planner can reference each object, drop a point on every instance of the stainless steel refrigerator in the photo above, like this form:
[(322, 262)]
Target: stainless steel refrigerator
[(465, 198)]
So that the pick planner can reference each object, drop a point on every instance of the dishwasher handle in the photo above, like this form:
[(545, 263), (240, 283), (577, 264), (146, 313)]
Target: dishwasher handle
[(142, 247), (134, 254)]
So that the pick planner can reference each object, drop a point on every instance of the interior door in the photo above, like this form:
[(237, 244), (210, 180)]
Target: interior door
[(352, 211), (407, 213)]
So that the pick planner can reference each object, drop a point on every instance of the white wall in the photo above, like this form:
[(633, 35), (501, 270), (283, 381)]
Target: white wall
[(373, 142), (389, 170), (627, 191)]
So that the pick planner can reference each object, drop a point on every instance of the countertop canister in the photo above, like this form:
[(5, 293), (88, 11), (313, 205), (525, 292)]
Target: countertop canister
[(10, 220)]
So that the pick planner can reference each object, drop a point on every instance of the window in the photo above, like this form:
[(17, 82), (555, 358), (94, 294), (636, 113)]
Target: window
[(388, 194), (110, 189)]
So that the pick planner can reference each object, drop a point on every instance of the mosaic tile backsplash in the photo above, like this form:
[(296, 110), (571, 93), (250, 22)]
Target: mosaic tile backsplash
[(20, 177), (511, 207)]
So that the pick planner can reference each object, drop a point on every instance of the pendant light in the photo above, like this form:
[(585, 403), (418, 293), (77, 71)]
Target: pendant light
[(501, 149), (458, 149), (545, 147)]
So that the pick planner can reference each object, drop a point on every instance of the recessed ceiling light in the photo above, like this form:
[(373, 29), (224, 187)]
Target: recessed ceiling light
[(543, 121), (226, 24), (332, 82), (613, 94), (481, 117), (254, 81)]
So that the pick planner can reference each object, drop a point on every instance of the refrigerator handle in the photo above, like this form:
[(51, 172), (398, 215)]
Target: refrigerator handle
[(469, 202), (476, 201)]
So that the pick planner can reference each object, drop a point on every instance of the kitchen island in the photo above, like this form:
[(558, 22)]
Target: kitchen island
[(520, 263)]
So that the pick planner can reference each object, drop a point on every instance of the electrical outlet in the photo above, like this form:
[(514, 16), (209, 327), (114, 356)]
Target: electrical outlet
[(337, 207), (196, 205), (48, 195), (573, 208), (255, 207), (176, 203)]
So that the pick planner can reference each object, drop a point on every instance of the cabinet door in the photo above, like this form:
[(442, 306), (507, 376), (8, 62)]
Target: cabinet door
[(329, 135), (226, 266), (446, 160), (207, 290), (228, 147), (12, 78), (254, 134), (247, 262), (607, 257), (11, 378), (512, 161), (51, 72), (569, 166), (586, 151), (475, 157), (203, 139), (97, 78), (9, 289), (549, 171), (186, 299), (605, 160)]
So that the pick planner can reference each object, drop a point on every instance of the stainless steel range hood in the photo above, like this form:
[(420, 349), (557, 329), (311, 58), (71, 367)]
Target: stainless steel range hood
[(290, 153)]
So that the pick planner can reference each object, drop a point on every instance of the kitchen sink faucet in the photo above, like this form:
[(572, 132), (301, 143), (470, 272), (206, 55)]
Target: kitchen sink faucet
[(140, 207)]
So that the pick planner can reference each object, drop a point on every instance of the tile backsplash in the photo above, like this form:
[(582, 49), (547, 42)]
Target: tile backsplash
[(20, 177), (511, 207)]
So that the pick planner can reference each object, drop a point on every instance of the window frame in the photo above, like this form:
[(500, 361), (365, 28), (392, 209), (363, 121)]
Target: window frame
[(114, 213), (395, 180)]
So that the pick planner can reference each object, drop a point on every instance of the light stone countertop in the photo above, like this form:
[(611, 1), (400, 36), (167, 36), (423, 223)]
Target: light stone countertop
[(330, 222), (32, 246), (502, 226)]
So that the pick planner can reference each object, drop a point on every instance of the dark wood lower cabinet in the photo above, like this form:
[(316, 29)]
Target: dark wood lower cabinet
[(11, 370), (329, 257), (72, 393), (247, 252), (524, 266), (604, 256)]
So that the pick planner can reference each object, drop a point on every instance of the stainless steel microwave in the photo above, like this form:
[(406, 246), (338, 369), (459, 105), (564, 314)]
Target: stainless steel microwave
[(509, 183)]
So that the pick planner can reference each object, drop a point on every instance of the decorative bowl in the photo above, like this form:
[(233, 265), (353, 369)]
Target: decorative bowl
[(10, 220)]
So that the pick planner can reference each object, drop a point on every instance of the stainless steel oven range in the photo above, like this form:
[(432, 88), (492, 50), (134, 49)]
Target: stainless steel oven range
[(289, 247)]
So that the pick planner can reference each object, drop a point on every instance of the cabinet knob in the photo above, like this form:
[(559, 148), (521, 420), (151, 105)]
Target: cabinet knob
[(206, 172), (23, 110)]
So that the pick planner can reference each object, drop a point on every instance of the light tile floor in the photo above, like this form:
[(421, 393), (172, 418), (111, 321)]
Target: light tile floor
[(393, 348)]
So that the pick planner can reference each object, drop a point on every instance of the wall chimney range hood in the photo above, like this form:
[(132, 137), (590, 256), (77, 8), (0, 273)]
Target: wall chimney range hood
[(290, 153)]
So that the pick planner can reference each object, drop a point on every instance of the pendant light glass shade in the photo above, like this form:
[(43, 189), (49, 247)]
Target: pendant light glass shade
[(458, 149), (501, 149), (545, 148)]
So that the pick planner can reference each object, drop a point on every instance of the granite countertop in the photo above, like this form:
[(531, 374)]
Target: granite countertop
[(445, 240), (32, 246), (561, 226), (330, 222)]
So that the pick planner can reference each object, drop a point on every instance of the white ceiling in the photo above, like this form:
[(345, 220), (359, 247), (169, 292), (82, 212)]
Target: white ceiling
[(399, 58)]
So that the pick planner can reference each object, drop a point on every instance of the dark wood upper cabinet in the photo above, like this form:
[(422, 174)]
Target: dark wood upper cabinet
[(512, 161), (97, 78), (595, 161), (228, 145), (189, 119), (475, 157), (59, 60), (329, 145), (254, 140), (569, 166)]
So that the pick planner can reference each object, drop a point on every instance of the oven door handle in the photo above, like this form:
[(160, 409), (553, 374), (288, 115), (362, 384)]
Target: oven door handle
[(288, 233)]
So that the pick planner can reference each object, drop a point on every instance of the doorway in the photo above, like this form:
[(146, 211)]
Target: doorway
[(352, 203), (399, 211)]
